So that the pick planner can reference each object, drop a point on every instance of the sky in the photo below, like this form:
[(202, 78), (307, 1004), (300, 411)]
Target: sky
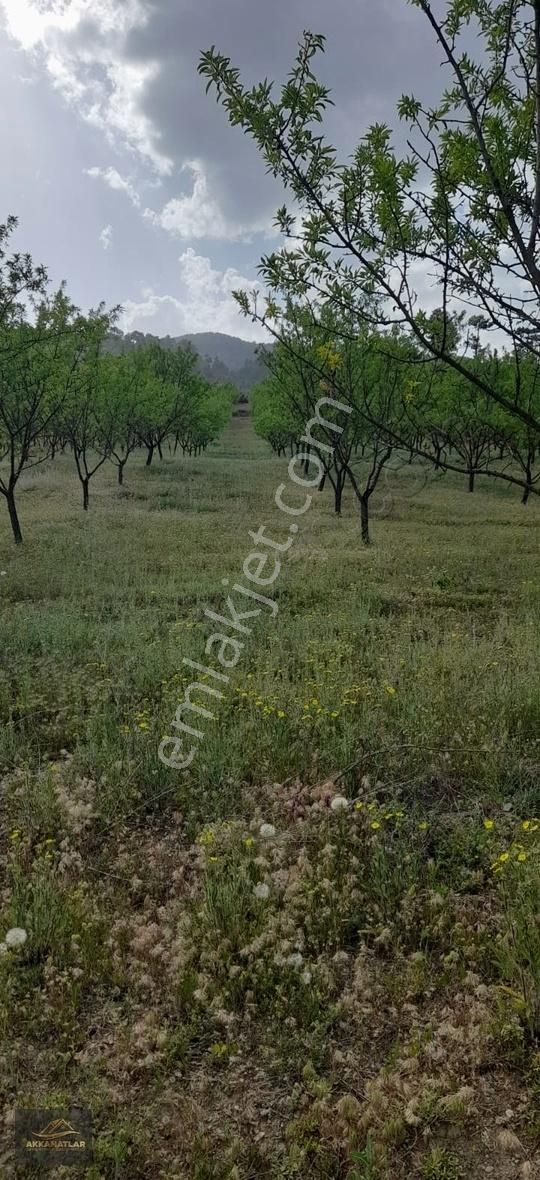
[(126, 177)]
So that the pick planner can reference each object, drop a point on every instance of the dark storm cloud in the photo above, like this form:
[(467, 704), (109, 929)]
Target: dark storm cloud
[(98, 144), (376, 49)]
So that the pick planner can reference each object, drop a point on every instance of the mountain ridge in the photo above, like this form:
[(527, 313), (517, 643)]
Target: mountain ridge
[(221, 357)]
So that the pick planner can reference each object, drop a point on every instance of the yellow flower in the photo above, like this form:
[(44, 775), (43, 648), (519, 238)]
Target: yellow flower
[(423, 827), (359, 806), (249, 842), (281, 713), (213, 859), (504, 857), (390, 690), (375, 825), (219, 1049), (523, 856), (488, 824), (206, 838)]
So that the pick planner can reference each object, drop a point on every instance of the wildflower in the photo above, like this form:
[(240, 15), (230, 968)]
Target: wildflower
[(262, 891), (504, 857), (267, 831), (249, 842), (423, 827), (207, 837), (306, 976), (488, 824), (213, 859), (359, 805), (523, 856), (281, 713), (339, 803), (16, 936), (375, 825), (390, 690), (295, 960)]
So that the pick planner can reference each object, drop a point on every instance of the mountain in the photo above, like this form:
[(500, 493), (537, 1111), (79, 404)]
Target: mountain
[(221, 357)]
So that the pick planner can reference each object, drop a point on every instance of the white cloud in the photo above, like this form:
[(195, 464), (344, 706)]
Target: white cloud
[(106, 89), (115, 181), (105, 236), (205, 304), (198, 215)]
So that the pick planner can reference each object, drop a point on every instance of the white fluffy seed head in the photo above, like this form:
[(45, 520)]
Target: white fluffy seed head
[(16, 936), (262, 891), (295, 960), (339, 803), (267, 831)]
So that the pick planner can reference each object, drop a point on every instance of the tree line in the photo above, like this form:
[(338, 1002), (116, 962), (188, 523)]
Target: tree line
[(400, 401), (61, 389)]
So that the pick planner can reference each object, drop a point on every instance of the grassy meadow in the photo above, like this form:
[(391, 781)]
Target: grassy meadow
[(352, 992)]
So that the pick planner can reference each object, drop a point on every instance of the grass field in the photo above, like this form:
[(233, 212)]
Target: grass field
[(353, 993)]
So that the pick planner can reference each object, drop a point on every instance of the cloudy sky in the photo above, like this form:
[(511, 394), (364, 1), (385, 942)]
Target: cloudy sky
[(126, 177)]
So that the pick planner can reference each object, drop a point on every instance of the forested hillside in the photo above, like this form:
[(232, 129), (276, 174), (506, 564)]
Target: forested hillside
[(220, 358)]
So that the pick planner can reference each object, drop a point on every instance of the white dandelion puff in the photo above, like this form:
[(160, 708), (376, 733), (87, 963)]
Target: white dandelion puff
[(339, 803), (295, 960), (16, 936), (262, 891), (267, 831)]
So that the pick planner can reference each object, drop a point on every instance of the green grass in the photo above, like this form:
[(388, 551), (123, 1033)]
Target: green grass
[(414, 663)]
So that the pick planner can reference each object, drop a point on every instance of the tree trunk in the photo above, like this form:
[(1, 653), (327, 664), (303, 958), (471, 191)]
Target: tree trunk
[(160, 452), (471, 481), (86, 497), (364, 519), (12, 509), (121, 471), (526, 494), (338, 495), (150, 454)]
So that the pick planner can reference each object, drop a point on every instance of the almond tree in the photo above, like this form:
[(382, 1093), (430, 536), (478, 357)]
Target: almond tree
[(37, 368), (24, 389), (81, 420)]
